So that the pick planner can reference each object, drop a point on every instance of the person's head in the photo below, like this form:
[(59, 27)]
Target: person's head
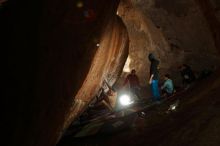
[(133, 71), (182, 67), (166, 76), (151, 56), (111, 91)]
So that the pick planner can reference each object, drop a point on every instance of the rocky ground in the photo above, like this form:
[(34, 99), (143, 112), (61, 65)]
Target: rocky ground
[(196, 121)]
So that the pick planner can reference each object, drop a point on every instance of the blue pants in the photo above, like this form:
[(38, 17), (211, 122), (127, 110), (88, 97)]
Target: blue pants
[(155, 90)]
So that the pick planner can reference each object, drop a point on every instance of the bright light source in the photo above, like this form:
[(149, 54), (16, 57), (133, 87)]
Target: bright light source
[(173, 107), (97, 45), (125, 100), (117, 13)]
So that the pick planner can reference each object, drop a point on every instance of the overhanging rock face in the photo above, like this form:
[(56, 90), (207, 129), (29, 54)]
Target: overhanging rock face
[(55, 64), (107, 65)]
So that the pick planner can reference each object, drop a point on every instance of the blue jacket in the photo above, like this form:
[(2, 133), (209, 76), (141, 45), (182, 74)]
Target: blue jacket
[(168, 86)]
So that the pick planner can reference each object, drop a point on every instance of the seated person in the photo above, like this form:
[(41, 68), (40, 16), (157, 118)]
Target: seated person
[(167, 87), (187, 75)]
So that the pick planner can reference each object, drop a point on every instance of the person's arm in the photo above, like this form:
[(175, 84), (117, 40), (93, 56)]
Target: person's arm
[(109, 87), (151, 78), (126, 80), (164, 85), (153, 69)]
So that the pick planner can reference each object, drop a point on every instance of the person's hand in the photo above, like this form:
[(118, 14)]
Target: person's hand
[(150, 81)]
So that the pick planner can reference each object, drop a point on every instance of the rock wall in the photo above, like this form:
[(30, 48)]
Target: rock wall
[(216, 6), (55, 65), (107, 65), (208, 8), (176, 31)]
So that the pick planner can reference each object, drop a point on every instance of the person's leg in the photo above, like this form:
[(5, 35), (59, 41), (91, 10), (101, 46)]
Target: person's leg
[(107, 103), (137, 92), (133, 93), (163, 93), (152, 91), (155, 90)]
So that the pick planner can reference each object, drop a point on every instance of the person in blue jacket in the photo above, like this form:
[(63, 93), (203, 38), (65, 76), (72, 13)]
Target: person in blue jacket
[(167, 87)]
